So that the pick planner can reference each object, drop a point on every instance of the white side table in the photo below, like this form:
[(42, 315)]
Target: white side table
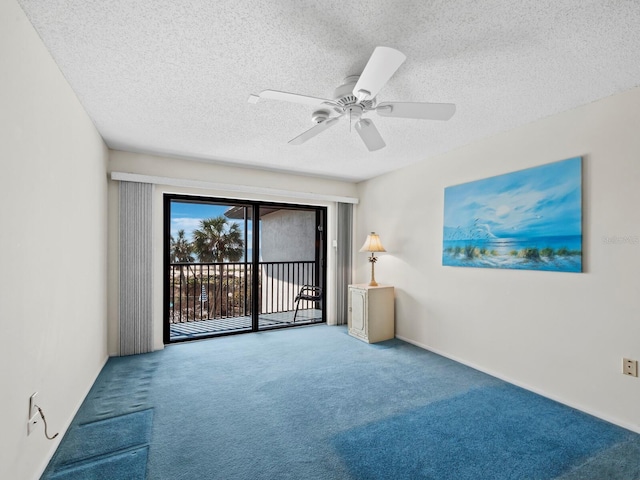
[(371, 317)]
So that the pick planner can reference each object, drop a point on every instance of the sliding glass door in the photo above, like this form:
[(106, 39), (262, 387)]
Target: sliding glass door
[(225, 273), (291, 264)]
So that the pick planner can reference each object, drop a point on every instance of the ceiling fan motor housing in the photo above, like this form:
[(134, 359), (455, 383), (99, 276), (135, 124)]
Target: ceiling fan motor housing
[(343, 95)]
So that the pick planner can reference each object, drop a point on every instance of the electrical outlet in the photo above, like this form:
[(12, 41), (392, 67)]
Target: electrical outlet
[(34, 416), (630, 367)]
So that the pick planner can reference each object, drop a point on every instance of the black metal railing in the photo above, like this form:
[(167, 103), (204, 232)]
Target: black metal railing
[(203, 291), (280, 283)]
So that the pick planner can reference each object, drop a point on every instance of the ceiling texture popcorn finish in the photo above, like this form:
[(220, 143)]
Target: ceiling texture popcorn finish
[(172, 77)]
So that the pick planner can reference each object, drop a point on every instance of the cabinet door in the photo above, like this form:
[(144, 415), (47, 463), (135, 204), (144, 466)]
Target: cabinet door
[(359, 312)]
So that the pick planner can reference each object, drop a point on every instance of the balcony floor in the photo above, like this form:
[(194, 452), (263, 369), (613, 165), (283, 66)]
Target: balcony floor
[(203, 328)]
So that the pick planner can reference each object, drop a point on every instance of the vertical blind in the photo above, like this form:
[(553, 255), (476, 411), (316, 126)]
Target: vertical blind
[(343, 259), (136, 315)]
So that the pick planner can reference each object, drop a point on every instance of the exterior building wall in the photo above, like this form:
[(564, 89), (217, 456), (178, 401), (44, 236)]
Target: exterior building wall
[(286, 236)]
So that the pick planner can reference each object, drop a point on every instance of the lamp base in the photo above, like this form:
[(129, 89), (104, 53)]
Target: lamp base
[(373, 282)]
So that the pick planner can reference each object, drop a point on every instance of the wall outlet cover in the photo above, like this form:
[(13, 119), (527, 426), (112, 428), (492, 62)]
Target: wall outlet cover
[(630, 367), (34, 415)]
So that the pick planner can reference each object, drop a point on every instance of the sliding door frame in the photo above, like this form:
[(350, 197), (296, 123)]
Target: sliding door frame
[(253, 208)]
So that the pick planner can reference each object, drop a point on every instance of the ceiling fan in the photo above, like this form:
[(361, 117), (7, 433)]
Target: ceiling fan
[(357, 97)]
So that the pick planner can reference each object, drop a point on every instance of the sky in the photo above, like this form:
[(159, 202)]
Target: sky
[(187, 216), (536, 202)]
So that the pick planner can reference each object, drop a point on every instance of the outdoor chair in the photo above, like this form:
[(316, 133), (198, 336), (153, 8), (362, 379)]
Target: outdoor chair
[(307, 292)]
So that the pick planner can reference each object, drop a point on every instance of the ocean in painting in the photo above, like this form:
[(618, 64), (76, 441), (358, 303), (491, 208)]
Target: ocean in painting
[(561, 253), (526, 220)]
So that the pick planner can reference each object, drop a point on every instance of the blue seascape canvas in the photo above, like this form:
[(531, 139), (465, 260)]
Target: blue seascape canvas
[(530, 219)]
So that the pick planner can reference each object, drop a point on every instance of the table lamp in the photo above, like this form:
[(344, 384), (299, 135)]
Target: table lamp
[(372, 244)]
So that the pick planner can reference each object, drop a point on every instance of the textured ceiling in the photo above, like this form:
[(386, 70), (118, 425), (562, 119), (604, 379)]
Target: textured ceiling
[(172, 77)]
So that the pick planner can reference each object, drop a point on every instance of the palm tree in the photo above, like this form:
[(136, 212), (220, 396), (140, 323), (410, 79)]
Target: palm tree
[(181, 249), (218, 240)]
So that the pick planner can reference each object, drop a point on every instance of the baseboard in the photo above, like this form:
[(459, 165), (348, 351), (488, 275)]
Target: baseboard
[(582, 408), (66, 426)]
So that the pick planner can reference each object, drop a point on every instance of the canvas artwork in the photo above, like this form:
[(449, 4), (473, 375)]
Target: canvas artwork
[(530, 219)]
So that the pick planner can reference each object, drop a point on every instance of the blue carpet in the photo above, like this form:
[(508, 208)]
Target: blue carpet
[(122, 387), (131, 465), (109, 437), (314, 403), (105, 436), (498, 433)]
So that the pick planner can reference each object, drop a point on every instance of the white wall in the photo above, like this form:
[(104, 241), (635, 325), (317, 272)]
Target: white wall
[(288, 235), (150, 165), (53, 243), (560, 334)]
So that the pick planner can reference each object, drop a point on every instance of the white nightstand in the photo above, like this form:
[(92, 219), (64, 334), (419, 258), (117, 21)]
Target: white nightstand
[(371, 317)]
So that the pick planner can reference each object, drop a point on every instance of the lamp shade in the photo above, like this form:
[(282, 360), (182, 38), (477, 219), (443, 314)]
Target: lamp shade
[(372, 244)]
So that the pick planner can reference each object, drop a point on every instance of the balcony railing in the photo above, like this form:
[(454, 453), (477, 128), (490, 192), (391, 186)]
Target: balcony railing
[(205, 291)]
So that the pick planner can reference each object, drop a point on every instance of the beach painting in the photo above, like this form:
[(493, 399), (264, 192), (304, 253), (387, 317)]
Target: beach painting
[(528, 220)]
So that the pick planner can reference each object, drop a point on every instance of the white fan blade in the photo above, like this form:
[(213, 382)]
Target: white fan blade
[(424, 111), (381, 66), (312, 132), (291, 97), (370, 135)]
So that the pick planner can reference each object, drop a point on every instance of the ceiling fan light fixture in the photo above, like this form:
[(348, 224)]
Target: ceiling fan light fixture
[(355, 111)]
